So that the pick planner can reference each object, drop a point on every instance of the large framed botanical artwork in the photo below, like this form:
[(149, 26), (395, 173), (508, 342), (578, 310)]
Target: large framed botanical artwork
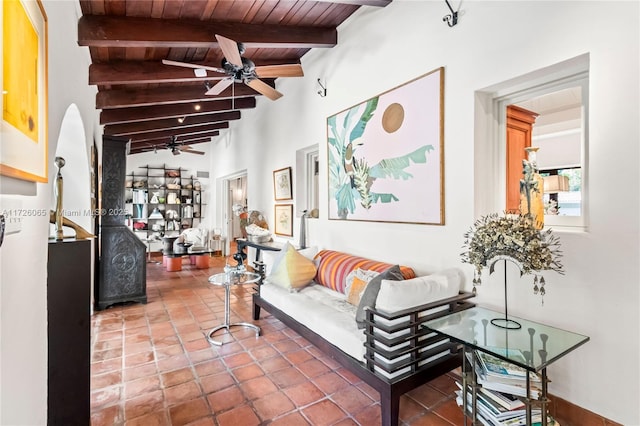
[(385, 155), (23, 128)]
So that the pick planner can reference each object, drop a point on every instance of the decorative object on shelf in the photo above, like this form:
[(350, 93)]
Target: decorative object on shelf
[(155, 199), (59, 196), (156, 214), (387, 165), (511, 238), (81, 233), (197, 185), (283, 217), (282, 184), (531, 189)]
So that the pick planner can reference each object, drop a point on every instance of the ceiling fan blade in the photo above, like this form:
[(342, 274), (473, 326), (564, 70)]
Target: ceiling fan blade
[(192, 151), (219, 87), (262, 87), (230, 50), (194, 66), (285, 70)]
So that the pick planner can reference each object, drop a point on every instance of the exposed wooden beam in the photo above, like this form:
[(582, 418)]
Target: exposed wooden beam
[(145, 72), (123, 31), (169, 123), (376, 3), (190, 131), (135, 114), (125, 98)]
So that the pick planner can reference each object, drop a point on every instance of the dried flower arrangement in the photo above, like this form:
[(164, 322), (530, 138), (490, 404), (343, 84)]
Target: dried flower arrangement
[(515, 238)]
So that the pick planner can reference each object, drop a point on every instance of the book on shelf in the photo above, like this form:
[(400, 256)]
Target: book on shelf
[(507, 400), (505, 383), (501, 370)]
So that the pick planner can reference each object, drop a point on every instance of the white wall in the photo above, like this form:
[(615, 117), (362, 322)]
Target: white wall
[(493, 42), (23, 256)]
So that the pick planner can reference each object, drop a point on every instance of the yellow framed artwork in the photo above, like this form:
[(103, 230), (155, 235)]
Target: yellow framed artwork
[(23, 128)]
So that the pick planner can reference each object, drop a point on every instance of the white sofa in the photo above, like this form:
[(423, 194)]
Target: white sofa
[(389, 349)]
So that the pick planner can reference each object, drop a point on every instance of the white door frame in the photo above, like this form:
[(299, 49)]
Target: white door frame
[(226, 202)]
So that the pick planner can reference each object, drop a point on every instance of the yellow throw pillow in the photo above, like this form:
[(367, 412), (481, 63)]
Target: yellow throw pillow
[(292, 270), (357, 289)]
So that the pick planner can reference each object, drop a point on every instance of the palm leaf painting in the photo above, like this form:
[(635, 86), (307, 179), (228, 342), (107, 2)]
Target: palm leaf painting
[(363, 177)]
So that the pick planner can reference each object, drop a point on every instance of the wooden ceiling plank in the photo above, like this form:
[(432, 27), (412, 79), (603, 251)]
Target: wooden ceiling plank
[(116, 7), (192, 9), (135, 114), (136, 32), (157, 9), (107, 99), (136, 53), (264, 11), (172, 9), (169, 123), (238, 12), (375, 3), (209, 9), (279, 12), (139, 8), (297, 9)]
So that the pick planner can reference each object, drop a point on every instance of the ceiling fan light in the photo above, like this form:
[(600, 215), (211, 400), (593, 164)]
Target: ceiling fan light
[(175, 151), (200, 72)]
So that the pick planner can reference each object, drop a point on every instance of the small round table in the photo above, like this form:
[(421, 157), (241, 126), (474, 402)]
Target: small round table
[(228, 279)]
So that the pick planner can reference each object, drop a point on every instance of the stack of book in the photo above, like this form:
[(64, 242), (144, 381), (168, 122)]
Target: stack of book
[(502, 385), (498, 375)]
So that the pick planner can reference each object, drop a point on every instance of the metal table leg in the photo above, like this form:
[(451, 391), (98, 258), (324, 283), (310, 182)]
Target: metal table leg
[(227, 325)]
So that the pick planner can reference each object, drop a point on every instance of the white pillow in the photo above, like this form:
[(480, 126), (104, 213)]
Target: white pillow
[(398, 295), (270, 257)]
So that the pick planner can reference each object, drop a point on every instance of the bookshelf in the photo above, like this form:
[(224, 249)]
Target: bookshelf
[(162, 201)]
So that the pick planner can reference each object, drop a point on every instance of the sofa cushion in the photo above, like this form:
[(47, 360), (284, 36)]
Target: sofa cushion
[(291, 269), (355, 283), (323, 311), (398, 295), (368, 299), (334, 266), (269, 257)]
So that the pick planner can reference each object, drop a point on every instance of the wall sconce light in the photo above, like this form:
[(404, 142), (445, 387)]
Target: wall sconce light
[(181, 119), (323, 90), (451, 19)]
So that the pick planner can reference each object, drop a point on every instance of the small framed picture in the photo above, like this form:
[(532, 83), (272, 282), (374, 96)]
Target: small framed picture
[(282, 184), (284, 219)]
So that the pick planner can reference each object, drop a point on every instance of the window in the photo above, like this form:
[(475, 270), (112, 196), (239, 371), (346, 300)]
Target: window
[(558, 97)]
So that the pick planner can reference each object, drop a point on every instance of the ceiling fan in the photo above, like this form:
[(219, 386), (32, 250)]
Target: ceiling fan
[(176, 147), (240, 69)]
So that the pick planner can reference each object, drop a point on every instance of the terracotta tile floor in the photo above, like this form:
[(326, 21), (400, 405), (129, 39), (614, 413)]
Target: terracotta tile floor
[(151, 365)]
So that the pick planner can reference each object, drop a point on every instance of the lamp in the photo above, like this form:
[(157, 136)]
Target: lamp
[(555, 183)]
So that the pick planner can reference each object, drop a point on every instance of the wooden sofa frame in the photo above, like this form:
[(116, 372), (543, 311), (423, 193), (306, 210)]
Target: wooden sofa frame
[(419, 372)]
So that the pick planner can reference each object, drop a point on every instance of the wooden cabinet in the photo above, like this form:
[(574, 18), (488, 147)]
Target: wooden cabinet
[(519, 127), (123, 269), (69, 332), (163, 200)]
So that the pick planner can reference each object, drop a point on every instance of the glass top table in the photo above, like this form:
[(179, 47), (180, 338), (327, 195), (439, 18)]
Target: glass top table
[(228, 279), (532, 347)]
